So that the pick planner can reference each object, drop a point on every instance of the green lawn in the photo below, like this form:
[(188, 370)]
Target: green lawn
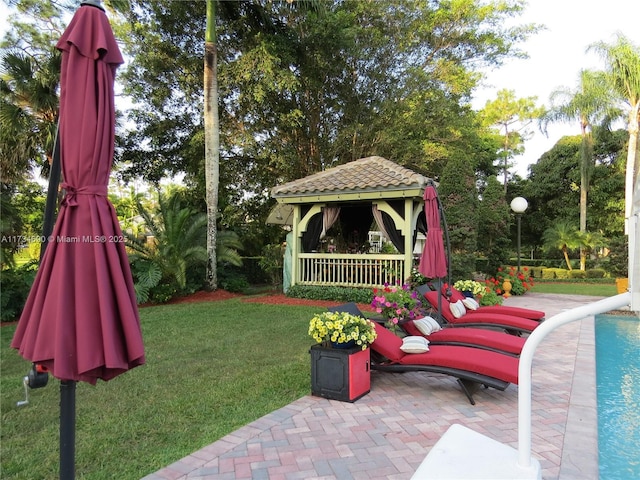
[(575, 288), (211, 368)]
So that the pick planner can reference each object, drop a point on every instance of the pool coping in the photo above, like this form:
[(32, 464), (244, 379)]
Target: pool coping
[(580, 450)]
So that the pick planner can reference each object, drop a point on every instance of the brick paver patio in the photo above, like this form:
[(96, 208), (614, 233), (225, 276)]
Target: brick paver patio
[(388, 432)]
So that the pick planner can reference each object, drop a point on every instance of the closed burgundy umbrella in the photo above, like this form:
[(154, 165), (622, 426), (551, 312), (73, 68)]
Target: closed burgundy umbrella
[(433, 261), (81, 318)]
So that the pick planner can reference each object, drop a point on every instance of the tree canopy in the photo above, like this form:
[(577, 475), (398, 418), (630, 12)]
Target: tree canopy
[(307, 86)]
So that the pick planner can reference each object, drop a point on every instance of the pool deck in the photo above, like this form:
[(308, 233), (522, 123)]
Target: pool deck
[(387, 433)]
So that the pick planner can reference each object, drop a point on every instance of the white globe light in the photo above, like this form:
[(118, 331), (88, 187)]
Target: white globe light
[(519, 204)]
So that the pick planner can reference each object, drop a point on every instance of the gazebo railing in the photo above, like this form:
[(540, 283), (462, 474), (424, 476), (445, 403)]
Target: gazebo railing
[(351, 270)]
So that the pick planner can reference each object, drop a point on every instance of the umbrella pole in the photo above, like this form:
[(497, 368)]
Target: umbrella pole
[(52, 195), (447, 241), (67, 429)]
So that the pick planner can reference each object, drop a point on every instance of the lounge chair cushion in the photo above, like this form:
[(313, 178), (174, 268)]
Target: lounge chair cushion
[(457, 309), (387, 344), (414, 344), (470, 303), (426, 325)]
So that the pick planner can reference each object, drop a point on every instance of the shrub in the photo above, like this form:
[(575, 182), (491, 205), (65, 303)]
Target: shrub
[(272, 262), (577, 274), (548, 273), (520, 282), (595, 273), (15, 284), (490, 298), (535, 272), (562, 274), (337, 294), (618, 264), (234, 283)]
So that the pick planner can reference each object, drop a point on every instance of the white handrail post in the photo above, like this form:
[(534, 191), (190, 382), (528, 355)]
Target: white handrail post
[(526, 360)]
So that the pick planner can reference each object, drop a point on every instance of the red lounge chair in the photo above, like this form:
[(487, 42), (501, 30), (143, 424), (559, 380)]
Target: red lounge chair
[(466, 337), (471, 337), (456, 295), (500, 309), (471, 366), (510, 323)]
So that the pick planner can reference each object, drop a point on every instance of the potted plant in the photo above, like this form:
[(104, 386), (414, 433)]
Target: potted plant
[(473, 288), (340, 363), (396, 304), (342, 330)]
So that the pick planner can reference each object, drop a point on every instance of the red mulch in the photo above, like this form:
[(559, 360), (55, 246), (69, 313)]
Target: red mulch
[(271, 298)]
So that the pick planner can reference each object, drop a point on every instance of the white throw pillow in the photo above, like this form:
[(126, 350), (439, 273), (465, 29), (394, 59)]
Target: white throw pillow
[(471, 303), (457, 309), (414, 344), (427, 325)]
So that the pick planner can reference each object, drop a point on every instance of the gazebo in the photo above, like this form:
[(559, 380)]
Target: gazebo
[(332, 214)]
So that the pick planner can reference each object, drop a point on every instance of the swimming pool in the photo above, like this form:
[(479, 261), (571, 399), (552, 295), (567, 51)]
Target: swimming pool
[(618, 394)]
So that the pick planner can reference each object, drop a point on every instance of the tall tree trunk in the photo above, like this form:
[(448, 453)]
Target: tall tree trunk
[(566, 257), (633, 162), (211, 143), (586, 154)]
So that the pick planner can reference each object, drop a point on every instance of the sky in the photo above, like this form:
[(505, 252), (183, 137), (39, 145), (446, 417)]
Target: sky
[(556, 56)]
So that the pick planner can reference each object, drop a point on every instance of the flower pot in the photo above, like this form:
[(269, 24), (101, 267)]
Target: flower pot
[(340, 374), (349, 344), (468, 293), (622, 285)]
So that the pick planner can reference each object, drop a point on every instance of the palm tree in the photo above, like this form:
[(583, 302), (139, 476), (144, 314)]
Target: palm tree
[(28, 111), (590, 103), (174, 245), (623, 71), (211, 143), (562, 236)]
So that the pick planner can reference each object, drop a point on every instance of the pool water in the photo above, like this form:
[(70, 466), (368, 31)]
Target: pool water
[(618, 393)]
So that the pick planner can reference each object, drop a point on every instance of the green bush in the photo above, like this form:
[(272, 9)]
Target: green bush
[(548, 273), (562, 274), (596, 273), (577, 274), (337, 294), (535, 272), (618, 258), (234, 283), (15, 284), (272, 262), (491, 298)]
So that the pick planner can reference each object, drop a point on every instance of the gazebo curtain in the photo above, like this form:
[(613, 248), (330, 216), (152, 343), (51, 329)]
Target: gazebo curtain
[(388, 228), (311, 237), (377, 216), (329, 217)]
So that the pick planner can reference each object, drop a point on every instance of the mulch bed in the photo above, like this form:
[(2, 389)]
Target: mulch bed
[(269, 298)]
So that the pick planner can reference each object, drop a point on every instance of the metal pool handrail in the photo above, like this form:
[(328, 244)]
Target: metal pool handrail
[(526, 359)]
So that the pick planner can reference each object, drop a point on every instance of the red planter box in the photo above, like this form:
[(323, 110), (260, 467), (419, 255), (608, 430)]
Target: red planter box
[(340, 374)]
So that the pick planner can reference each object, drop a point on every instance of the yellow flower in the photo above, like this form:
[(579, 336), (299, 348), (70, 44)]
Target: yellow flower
[(342, 327)]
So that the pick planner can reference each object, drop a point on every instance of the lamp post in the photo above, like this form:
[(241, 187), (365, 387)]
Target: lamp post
[(519, 205)]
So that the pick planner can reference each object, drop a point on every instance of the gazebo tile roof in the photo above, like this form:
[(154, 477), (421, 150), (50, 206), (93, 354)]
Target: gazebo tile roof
[(371, 173)]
